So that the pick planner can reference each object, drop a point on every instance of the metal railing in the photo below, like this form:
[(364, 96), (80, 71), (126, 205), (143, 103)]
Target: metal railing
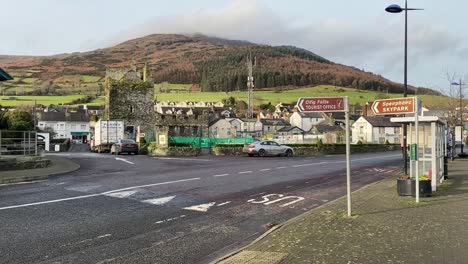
[(18, 143)]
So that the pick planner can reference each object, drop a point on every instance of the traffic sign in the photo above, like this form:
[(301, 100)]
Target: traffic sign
[(322, 104), (395, 106), (414, 152)]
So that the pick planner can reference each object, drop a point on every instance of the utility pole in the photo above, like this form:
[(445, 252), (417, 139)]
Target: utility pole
[(461, 116), (250, 86)]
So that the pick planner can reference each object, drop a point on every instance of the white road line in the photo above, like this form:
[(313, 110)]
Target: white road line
[(169, 219), (93, 195), (206, 160), (221, 204), (279, 168), (308, 164), (221, 175), (159, 201), (200, 207), (265, 169), (244, 172), (124, 160), (124, 194)]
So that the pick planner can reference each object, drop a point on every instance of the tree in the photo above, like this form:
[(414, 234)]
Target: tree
[(19, 120)]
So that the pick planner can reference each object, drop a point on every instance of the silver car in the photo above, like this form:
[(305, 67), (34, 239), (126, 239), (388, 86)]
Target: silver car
[(268, 148)]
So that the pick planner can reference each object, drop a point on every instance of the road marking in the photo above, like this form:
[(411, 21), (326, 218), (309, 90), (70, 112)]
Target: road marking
[(245, 172), (279, 168), (85, 188), (124, 194), (103, 236), (206, 160), (159, 201), (17, 183), (265, 169), (93, 195), (200, 207), (221, 175), (308, 164), (124, 160), (221, 204), (266, 199), (169, 219)]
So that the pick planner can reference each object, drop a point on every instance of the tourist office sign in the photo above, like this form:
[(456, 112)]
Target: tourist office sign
[(323, 104), (395, 106), (332, 104)]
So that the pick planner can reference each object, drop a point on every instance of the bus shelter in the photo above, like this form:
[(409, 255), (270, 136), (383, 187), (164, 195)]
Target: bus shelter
[(431, 148)]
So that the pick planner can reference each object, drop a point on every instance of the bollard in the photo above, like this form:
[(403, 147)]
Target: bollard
[(445, 167)]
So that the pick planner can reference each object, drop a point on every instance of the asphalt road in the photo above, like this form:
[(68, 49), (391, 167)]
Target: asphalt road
[(139, 209)]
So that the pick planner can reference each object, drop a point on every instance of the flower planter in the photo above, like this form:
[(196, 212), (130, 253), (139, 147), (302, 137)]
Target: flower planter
[(407, 187)]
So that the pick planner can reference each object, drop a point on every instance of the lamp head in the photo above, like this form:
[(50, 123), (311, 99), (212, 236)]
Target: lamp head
[(394, 9)]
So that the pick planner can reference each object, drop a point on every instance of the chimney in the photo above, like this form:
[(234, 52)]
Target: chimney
[(364, 109)]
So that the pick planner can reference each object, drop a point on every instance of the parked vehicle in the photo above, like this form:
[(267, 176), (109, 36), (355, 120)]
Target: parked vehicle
[(128, 146), (106, 133), (268, 148)]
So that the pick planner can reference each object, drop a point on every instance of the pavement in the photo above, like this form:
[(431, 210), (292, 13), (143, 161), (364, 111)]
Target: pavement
[(59, 166), (384, 228), (140, 209)]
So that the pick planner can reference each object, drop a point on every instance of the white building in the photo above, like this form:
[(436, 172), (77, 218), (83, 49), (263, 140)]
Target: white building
[(74, 126), (305, 121), (225, 128), (375, 130)]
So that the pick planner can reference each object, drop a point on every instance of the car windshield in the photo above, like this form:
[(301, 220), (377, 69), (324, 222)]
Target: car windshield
[(127, 141)]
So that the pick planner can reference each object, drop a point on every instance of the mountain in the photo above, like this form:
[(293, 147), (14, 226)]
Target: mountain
[(214, 63)]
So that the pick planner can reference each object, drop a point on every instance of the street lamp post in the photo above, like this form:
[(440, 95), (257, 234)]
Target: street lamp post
[(461, 112), (399, 9)]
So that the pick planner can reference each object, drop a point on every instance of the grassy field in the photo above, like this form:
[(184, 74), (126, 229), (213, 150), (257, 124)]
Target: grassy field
[(90, 78), (29, 100), (174, 87), (29, 80), (355, 96), (261, 97)]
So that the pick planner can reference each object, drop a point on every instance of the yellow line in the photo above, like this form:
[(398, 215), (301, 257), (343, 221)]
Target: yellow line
[(25, 182)]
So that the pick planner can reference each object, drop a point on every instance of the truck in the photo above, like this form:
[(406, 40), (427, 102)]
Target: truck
[(106, 133)]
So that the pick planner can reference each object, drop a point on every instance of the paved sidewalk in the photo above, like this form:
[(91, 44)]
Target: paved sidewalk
[(385, 228), (59, 166)]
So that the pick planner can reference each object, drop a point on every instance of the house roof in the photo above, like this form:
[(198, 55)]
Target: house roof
[(324, 128), (380, 121), (310, 114), (4, 76), (289, 128), (63, 117), (274, 122)]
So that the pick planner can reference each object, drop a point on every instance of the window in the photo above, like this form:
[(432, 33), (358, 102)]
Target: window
[(83, 127), (72, 126), (396, 130), (131, 109), (381, 130), (229, 131)]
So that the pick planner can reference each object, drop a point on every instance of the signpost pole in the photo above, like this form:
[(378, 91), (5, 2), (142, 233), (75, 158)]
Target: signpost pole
[(416, 102), (348, 159)]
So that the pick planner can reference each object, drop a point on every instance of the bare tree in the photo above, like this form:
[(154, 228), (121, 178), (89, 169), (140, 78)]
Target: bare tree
[(453, 108)]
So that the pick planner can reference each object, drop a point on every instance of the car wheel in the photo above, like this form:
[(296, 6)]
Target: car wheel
[(250, 155), (136, 153), (261, 153), (289, 153)]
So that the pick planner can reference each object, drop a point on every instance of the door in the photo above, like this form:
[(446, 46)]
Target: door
[(275, 148)]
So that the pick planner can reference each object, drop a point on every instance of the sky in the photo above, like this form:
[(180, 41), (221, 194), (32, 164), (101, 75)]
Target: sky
[(355, 33)]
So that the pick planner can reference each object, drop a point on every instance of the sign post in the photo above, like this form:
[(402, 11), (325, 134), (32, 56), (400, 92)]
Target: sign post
[(332, 104), (405, 105)]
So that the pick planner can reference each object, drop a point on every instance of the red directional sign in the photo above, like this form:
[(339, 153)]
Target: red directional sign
[(394, 106), (322, 104)]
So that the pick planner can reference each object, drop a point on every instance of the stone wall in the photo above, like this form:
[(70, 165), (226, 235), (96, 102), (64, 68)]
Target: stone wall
[(23, 163), (174, 151)]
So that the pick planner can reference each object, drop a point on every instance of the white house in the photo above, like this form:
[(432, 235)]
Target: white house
[(305, 121), (375, 130), (74, 126)]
